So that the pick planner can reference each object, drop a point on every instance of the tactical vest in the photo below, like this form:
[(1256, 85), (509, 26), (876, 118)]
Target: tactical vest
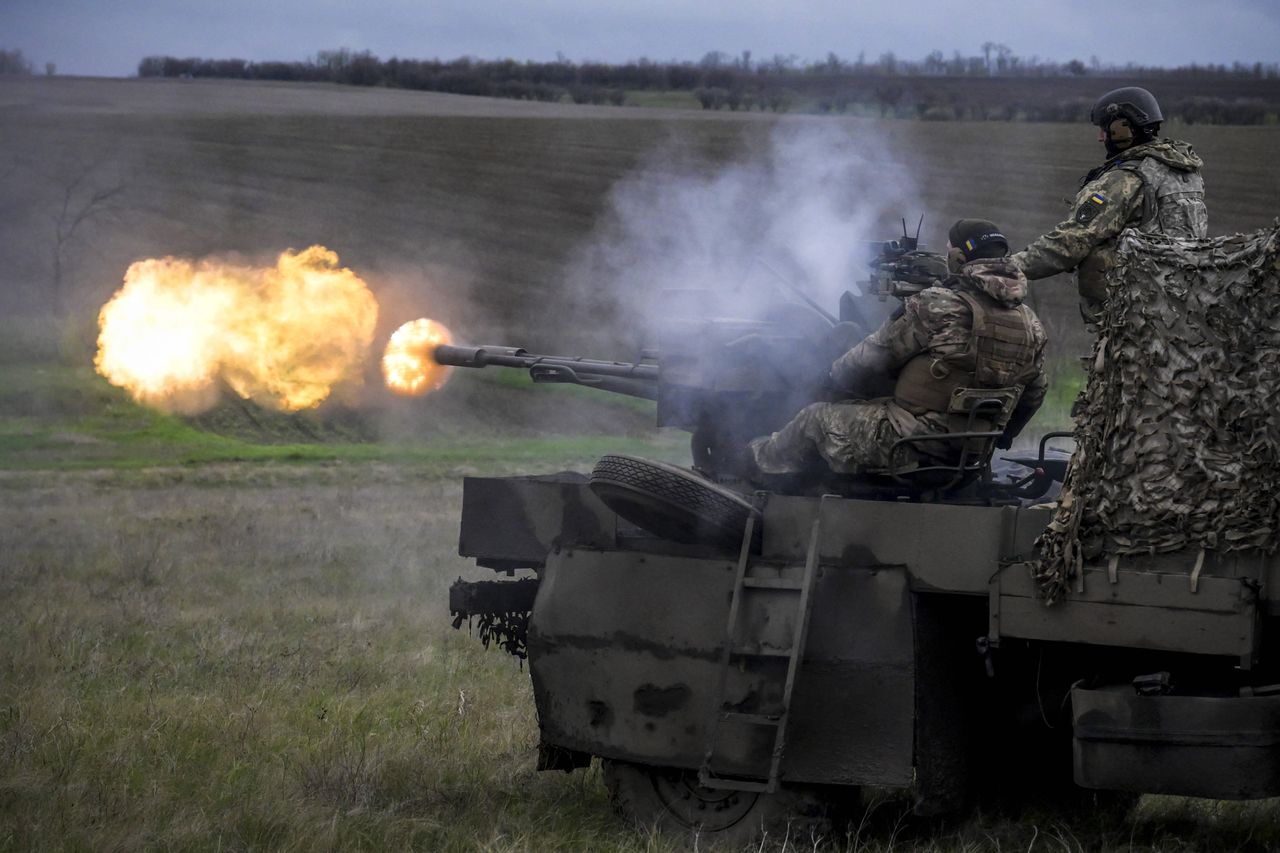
[(1000, 356), (1172, 204), (1172, 200)]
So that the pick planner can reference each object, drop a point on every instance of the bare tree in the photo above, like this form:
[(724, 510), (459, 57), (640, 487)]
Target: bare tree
[(81, 198), (1003, 54)]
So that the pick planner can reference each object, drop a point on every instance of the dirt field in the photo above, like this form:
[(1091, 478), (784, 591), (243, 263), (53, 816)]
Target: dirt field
[(210, 653)]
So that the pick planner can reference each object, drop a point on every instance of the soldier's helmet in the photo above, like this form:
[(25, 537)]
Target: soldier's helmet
[(978, 238), (1130, 102)]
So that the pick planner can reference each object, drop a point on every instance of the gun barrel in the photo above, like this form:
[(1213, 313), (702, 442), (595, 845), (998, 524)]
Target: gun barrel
[(622, 377), (480, 356)]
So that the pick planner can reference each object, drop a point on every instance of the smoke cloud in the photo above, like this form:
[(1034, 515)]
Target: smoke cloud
[(797, 208)]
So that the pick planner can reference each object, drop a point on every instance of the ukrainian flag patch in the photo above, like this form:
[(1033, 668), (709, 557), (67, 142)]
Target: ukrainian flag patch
[(1090, 208)]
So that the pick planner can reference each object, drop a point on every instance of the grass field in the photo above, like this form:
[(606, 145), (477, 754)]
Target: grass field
[(209, 643), (211, 654), (230, 632)]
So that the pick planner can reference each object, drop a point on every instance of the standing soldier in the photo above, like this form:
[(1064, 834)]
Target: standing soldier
[(1147, 182)]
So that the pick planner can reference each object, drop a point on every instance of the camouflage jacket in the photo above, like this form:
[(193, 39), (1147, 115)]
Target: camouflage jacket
[(938, 322), (1126, 191)]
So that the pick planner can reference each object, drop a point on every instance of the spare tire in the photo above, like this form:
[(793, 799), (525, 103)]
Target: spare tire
[(670, 501)]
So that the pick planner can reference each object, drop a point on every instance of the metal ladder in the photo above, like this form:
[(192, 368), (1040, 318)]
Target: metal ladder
[(763, 780)]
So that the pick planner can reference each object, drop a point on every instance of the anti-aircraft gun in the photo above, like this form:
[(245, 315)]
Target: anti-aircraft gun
[(754, 658), (726, 379)]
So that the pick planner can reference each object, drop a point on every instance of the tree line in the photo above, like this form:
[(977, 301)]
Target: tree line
[(14, 64), (996, 84)]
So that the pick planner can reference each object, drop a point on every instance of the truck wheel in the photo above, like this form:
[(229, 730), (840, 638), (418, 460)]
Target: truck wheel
[(671, 502), (672, 801)]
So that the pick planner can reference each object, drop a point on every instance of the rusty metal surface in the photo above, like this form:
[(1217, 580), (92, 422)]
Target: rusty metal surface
[(632, 676), (1199, 746)]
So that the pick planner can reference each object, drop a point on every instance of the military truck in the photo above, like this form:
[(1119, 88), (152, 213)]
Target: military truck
[(738, 658)]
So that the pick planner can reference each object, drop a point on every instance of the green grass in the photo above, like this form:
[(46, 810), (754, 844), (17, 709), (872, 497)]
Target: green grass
[(1066, 381), (259, 667), (54, 417)]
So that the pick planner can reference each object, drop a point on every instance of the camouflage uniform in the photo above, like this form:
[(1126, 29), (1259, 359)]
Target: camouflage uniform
[(1155, 187), (934, 332)]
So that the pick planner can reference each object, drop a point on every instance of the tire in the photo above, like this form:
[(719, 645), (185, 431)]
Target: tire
[(673, 802), (671, 502)]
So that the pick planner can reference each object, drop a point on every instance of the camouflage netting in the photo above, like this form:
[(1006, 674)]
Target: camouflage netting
[(1178, 428)]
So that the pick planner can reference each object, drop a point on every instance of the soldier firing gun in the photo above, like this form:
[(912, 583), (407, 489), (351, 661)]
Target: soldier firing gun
[(729, 380), (965, 357)]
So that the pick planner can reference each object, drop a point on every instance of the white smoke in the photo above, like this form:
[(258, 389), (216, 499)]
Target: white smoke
[(799, 207)]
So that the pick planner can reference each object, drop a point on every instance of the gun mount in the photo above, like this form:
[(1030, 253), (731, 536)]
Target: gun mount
[(724, 380)]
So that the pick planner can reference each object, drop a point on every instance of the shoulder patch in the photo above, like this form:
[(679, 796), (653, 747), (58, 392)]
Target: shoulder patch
[(1090, 208)]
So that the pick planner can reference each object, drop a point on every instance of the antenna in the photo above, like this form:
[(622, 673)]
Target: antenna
[(910, 243)]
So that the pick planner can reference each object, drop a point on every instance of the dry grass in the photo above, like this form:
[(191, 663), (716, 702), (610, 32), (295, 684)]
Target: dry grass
[(256, 659)]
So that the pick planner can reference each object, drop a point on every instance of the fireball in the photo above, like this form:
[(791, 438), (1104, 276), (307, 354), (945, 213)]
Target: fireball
[(285, 336), (409, 365)]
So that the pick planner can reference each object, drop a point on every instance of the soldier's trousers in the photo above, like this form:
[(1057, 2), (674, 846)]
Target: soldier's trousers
[(849, 437)]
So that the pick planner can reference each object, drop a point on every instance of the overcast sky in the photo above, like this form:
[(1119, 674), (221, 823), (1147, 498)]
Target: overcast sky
[(109, 37)]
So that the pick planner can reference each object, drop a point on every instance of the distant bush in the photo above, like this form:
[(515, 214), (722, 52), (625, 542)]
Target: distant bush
[(1208, 110), (711, 98), (588, 95), (12, 62), (514, 89), (1073, 109), (544, 92), (887, 96), (778, 99)]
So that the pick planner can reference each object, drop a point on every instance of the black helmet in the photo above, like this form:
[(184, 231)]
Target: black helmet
[(1131, 102), (978, 238)]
